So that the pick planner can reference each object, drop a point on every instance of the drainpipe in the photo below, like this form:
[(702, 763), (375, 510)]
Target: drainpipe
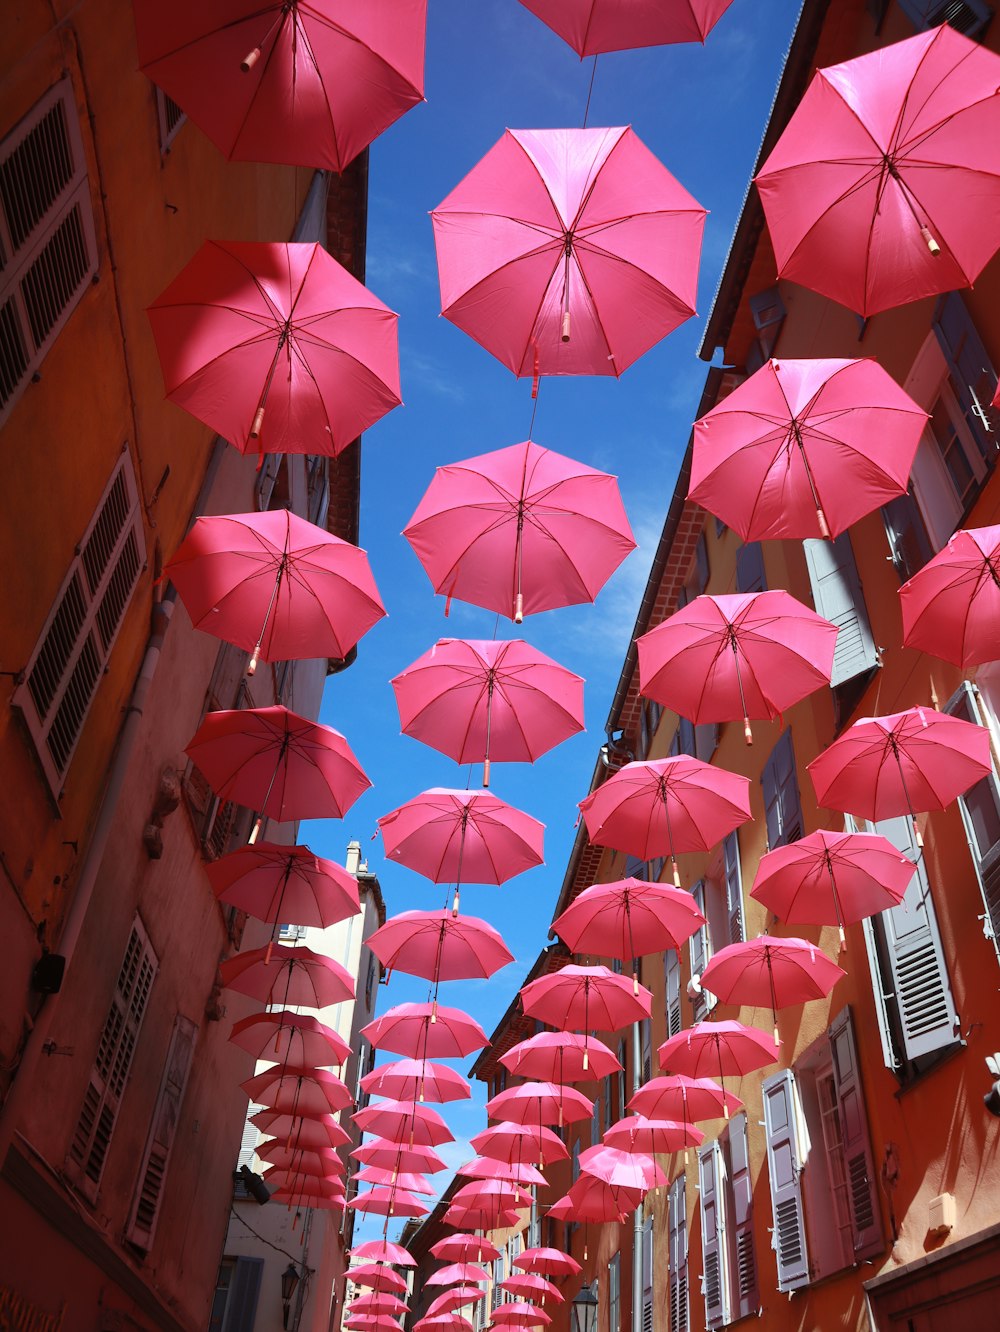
[(637, 1214)]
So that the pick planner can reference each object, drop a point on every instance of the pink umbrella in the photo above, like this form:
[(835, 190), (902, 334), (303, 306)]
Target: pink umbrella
[(752, 654), (389, 1202), (304, 1192), (300, 1130), (831, 878), (465, 1274), (586, 998), (378, 1302), (376, 1275), (296, 1184), (903, 763), (520, 530), (371, 1323), (284, 884), (385, 1251), (951, 608), (293, 1038), (323, 1162), (462, 837), (487, 700), (491, 1192), (540, 1103), (665, 806), (306, 1091), (283, 974), (567, 252), (484, 1167), (465, 1248), (275, 585), (593, 27), (546, 1261), (443, 1322), (406, 1179), (773, 971), (416, 1079), (397, 1156), (628, 919), (866, 190), (591, 1200), (310, 83), (439, 946), (531, 1287), (283, 765), (561, 1056), (636, 1133), (424, 1032), (718, 1049), (519, 1142), (404, 1121), (492, 1217), (450, 1300), (515, 1313), (805, 448), (622, 1169), (276, 347), (684, 1098)]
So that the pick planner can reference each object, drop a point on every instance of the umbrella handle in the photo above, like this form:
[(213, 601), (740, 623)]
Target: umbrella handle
[(249, 60)]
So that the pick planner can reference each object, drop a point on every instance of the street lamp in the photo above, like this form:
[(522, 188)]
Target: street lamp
[(585, 1311), (289, 1283)]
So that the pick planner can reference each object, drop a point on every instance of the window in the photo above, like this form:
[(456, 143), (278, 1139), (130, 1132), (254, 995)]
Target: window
[(614, 1293), (595, 1124), (620, 1079), (913, 999), (649, 720), (672, 991), (609, 1101), (646, 1049), (980, 808), (220, 824), (969, 16), (370, 981), (715, 1267), (768, 312), (646, 1269), (701, 951), (909, 543), (169, 118), (750, 575), (729, 1259), (65, 668), (677, 1248), (782, 806), (719, 897), (92, 1138), (153, 1171), (837, 596), (48, 248), (292, 933), (823, 1190)]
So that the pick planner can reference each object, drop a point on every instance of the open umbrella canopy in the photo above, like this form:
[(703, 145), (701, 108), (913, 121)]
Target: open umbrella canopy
[(275, 585), (284, 885), (299, 1198), (297, 1039), (369, 1322), (771, 971), (465, 1248), (425, 1032), (568, 252), (636, 1133), (301, 1130), (439, 946), (488, 701), (485, 1167), (404, 1121), (276, 347), (805, 448), (832, 878), (378, 1276), (417, 1080), (520, 530), (378, 1302), (547, 1262), (951, 607), (529, 1286), (519, 1142), (515, 1313), (311, 83), (561, 1056), (449, 1300), (586, 998), (396, 1155), (393, 1201), (622, 1169), (747, 655), (592, 1200), (323, 1162), (666, 806), (718, 1049), (885, 185), (385, 1251), (540, 1103), (302, 1184), (593, 27), (443, 1320), (306, 1091), (491, 1192), (628, 919), (902, 763), (285, 974), (462, 1273), (489, 1216), (406, 1179), (683, 1098), (282, 765)]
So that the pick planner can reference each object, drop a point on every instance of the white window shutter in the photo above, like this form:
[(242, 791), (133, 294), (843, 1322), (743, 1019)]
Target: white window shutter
[(677, 1246), (734, 889), (782, 805), (701, 952), (837, 596), (715, 1274), (866, 1221), (672, 986), (745, 1290), (646, 1260), (980, 807), (785, 1163)]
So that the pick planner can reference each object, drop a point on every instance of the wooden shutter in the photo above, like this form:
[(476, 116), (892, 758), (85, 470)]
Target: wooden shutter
[(782, 806), (980, 808), (715, 1276), (837, 596), (967, 16), (614, 1293), (750, 575), (768, 311), (701, 951), (646, 1267), (920, 988), (244, 1291), (907, 532), (743, 1255), (646, 1046), (734, 888), (677, 1248), (862, 1193), (971, 371), (784, 1160), (672, 989), (153, 1172), (92, 1137)]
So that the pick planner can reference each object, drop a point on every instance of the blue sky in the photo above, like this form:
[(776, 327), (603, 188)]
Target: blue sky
[(491, 65)]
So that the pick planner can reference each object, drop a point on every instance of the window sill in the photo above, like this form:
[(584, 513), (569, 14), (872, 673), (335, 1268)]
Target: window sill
[(914, 1076)]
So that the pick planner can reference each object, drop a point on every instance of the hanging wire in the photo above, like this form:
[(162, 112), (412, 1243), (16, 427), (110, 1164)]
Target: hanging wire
[(590, 92)]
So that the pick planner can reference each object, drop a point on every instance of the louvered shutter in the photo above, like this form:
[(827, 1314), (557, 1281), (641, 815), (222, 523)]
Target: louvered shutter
[(750, 576), (615, 1293), (672, 989), (734, 888), (153, 1172), (646, 1260), (862, 1194), (920, 983), (837, 596), (785, 1167), (980, 808), (244, 1292), (967, 16), (678, 1255), (745, 1293), (701, 951), (715, 1277), (782, 806), (646, 1046), (973, 377)]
